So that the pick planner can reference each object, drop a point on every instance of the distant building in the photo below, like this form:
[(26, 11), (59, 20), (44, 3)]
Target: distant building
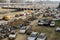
[(17, 1)]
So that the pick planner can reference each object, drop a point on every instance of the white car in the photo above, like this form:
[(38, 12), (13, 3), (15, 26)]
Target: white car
[(23, 29), (42, 36), (52, 23), (58, 29), (12, 35), (33, 36)]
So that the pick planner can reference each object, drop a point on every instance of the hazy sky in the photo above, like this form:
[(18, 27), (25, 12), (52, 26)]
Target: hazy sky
[(55, 0), (44, 0)]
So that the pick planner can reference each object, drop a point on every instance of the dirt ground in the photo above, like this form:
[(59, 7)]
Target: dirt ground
[(9, 13), (24, 36), (12, 14), (19, 37)]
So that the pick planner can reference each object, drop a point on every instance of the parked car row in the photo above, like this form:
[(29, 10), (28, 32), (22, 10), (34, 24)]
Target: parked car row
[(6, 31), (54, 13), (37, 36), (45, 21)]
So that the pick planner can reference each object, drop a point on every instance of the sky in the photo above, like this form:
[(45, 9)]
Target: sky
[(55, 0), (44, 0)]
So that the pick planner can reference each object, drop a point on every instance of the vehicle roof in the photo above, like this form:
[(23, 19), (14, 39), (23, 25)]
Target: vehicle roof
[(58, 28), (42, 35), (23, 28)]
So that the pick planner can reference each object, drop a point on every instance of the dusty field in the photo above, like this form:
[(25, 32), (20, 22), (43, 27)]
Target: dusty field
[(12, 14), (24, 36), (9, 13)]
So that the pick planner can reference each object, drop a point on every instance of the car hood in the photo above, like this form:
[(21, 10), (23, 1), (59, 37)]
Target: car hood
[(22, 31), (12, 36), (39, 39), (31, 38)]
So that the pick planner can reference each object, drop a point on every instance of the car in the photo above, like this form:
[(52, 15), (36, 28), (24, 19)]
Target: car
[(52, 23), (4, 35), (33, 36), (21, 25), (12, 35), (3, 31), (26, 23), (57, 29), (1, 37), (18, 27), (40, 22), (15, 27), (23, 30), (47, 22), (32, 18), (44, 21), (42, 36), (47, 15)]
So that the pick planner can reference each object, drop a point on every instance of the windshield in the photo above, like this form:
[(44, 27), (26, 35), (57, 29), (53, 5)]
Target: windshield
[(23, 28), (52, 22), (32, 35), (12, 33), (41, 36)]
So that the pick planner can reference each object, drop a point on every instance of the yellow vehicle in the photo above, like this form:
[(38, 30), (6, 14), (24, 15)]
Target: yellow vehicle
[(6, 18)]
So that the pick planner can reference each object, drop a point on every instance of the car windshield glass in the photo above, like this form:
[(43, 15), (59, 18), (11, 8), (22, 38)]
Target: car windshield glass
[(12, 33), (23, 28), (41, 36), (52, 23), (32, 35), (42, 21)]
